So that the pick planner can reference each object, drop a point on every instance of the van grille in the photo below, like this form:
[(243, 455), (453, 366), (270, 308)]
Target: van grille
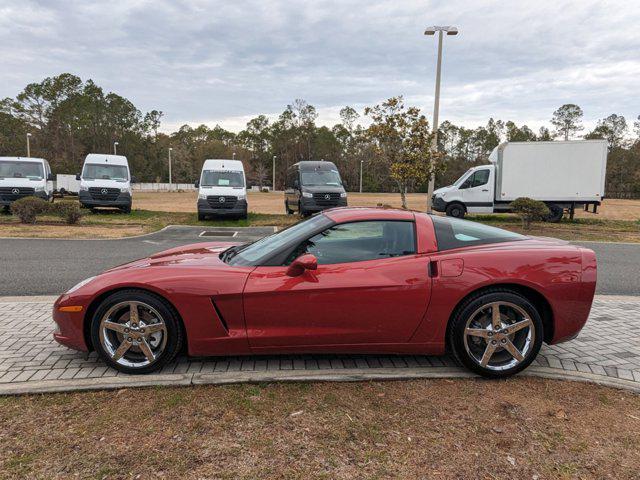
[(327, 199), (14, 193), (103, 193), (222, 201)]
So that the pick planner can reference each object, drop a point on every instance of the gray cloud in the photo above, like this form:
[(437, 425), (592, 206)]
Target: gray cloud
[(218, 61)]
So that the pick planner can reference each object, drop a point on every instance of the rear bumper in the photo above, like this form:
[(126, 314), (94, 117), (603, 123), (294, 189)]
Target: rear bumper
[(240, 208), (123, 200)]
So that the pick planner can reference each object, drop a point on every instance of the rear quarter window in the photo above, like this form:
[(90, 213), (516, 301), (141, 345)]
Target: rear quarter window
[(455, 233)]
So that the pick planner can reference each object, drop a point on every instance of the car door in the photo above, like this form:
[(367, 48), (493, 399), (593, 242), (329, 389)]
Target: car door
[(476, 192), (370, 287)]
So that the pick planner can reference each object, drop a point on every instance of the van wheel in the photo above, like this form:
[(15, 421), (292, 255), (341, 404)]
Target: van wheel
[(202, 217), (455, 210), (126, 209), (556, 212)]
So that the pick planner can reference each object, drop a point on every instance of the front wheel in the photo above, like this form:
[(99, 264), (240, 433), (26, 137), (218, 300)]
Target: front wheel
[(126, 209), (496, 334), (135, 331), (455, 210)]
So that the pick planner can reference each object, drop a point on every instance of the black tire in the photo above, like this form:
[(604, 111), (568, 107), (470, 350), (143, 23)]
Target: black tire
[(287, 209), (173, 329), (201, 217), (301, 211), (456, 334), (6, 209), (556, 212), (244, 216), (455, 210), (126, 209)]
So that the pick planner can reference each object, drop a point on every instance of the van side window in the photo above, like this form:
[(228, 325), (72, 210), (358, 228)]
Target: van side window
[(477, 179)]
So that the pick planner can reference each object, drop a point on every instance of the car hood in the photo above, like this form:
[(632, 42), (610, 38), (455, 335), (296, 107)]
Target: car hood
[(205, 254), (443, 190), (322, 189), (20, 182)]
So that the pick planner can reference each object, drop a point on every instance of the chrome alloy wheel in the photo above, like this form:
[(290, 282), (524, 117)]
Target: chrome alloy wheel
[(133, 334), (499, 335)]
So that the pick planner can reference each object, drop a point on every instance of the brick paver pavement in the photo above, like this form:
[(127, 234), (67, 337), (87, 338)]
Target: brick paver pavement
[(607, 351)]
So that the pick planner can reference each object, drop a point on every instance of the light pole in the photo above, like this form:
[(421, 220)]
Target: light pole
[(115, 148), (28, 145), (361, 163), (449, 30), (170, 182), (273, 181)]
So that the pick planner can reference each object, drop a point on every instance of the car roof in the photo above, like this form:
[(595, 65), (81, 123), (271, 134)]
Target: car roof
[(23, 159), (106, 158), (223, 163), (345, 214), (314, 165)]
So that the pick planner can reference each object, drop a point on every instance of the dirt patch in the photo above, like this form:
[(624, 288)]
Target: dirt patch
[(520, 428), (70, 231)]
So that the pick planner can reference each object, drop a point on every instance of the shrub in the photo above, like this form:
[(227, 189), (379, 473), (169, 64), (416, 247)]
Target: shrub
[(529, 210), (69, 212), (27, 209)]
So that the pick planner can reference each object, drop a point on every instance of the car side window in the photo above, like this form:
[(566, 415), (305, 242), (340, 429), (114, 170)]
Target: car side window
[(481, 177), (359, 241)]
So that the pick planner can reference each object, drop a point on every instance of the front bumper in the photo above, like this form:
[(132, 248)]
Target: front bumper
[(123, 200), (438, 204), (204, 208), (70, 325), (310, 205)]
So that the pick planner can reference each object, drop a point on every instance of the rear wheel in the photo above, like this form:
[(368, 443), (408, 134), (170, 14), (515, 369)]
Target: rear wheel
[(202, 217), (456, 210), (496, 334), (135, 331), (556, 212)]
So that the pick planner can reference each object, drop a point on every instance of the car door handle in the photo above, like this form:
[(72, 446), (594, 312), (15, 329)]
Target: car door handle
[(485, 189)]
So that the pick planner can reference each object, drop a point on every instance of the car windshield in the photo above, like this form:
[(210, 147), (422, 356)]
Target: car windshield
[(17, 169), (455, 233), (461, 179), (315, 178), (252, 253), (219, 178), (103, 171)]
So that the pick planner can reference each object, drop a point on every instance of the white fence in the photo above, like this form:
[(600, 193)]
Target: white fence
[(158, 187)]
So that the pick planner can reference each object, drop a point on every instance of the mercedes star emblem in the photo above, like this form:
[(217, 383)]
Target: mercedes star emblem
[(327, 196), (221, 199), (104, 191), (15, 191)]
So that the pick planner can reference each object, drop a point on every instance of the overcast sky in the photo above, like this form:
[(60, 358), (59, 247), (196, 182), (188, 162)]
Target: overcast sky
[(224, 62)]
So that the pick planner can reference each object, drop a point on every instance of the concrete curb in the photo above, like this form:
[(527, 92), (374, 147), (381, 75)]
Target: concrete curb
[(345, 375)]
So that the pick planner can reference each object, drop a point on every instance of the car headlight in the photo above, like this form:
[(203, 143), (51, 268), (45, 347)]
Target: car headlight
[(80, 284), (307, 195), (242, 197), (84, 188), (202, 196), (125, 189), (343, 195), (39, 189)]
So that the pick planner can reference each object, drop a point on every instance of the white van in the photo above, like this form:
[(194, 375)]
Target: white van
[(22, 177), (222, 189), (105, 182)]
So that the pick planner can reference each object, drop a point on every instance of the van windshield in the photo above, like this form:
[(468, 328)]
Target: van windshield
[(314, 178), (459, 181), (220, 178), (102, 171), (17, 169)]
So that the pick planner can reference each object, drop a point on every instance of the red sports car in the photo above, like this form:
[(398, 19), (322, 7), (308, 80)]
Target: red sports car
[(349, 280)]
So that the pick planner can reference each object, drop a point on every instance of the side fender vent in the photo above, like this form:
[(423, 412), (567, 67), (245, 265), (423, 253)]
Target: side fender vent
[(222, 320)]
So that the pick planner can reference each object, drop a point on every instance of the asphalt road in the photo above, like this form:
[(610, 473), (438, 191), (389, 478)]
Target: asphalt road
[(50, 267)]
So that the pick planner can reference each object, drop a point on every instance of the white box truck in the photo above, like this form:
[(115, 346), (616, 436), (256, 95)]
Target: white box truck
[(67, 184), (564, 175)]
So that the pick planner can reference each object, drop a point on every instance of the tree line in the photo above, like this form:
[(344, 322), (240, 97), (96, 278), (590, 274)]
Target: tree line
[(392, 142)]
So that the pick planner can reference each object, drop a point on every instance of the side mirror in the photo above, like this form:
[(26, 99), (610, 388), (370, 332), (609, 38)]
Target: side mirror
[(50, 177), (78, 176), (197, 184), (133, 179), (304, 262), (296, 184)]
